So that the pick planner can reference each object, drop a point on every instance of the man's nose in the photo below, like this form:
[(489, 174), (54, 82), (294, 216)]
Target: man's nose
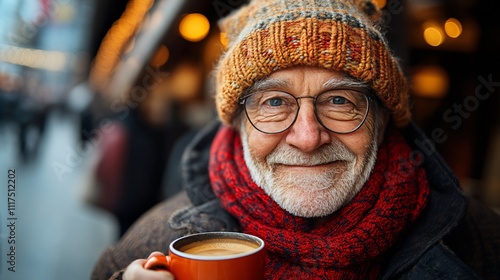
[(307, 133)]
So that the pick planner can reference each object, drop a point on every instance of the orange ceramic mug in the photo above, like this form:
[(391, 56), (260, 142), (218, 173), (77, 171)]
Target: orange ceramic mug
[(213, 256)]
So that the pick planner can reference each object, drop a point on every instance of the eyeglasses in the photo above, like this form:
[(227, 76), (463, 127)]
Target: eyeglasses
[(340, 110)]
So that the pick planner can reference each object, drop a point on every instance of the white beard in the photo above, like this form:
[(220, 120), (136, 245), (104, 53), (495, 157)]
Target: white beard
[(311, 194)]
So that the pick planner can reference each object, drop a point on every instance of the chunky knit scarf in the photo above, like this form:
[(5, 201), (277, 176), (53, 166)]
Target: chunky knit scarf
[(352, 243)]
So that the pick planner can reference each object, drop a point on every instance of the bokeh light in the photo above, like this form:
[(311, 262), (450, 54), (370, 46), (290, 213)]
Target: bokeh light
[(430, 81), (161, 56), (433, 34), (453, 27), (40, 59), (224, 40), (194, 27), (380, 3)]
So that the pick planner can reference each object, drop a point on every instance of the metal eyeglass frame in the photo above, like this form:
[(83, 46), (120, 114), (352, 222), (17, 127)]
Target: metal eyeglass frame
[(369, 97)]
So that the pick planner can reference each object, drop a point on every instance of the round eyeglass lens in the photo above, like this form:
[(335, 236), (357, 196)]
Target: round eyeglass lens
[(341, 111)]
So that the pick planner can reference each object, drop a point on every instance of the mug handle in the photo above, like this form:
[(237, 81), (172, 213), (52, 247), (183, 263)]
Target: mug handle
[(157, 263)]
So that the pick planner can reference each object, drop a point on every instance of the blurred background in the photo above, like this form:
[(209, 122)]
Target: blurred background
[(96, 97)]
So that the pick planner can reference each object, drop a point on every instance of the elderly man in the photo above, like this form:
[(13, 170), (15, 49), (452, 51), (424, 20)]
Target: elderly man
[(315, 153)]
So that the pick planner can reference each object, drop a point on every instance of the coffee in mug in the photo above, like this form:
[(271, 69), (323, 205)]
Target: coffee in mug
[(213, 256), (220, 247)]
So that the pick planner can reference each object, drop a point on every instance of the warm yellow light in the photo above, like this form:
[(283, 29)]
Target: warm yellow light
[(453, 27), (433, 34), (41, 59), (161, 56), (117, 36), (224, 40), (194, 27), (380, 3), (186, 81), (431, 82)]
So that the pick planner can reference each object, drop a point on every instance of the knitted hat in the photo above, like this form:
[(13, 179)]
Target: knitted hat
[(268, 35)]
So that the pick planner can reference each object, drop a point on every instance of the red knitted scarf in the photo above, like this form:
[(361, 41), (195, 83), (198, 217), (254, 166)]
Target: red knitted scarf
[(352, 242)]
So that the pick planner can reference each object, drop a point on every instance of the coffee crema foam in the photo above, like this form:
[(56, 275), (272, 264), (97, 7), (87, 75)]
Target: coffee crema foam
[(219, 247)]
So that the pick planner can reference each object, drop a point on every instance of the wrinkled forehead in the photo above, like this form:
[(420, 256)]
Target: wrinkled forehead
[(335, 79)]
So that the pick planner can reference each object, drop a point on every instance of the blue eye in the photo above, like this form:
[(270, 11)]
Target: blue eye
[(275, 102), (339, 100)]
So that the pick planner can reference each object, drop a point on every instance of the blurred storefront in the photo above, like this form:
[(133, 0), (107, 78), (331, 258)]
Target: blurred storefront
[(44, 53), (46, 43)]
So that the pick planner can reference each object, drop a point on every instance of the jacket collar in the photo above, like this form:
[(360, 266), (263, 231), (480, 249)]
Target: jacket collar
[(194, 165), (446, 207)]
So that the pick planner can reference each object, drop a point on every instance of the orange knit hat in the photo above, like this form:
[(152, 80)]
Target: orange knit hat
[(268, 35)]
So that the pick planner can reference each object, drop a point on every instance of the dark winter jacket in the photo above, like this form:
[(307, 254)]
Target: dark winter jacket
[(455, 238)]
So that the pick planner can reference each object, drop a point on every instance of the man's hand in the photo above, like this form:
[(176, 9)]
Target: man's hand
[(136, 271)]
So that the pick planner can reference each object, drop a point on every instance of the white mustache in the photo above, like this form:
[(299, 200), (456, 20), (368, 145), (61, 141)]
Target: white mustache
[(288, 155)]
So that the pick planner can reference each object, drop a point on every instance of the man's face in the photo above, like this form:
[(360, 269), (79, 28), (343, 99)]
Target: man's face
[(308, 170)]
